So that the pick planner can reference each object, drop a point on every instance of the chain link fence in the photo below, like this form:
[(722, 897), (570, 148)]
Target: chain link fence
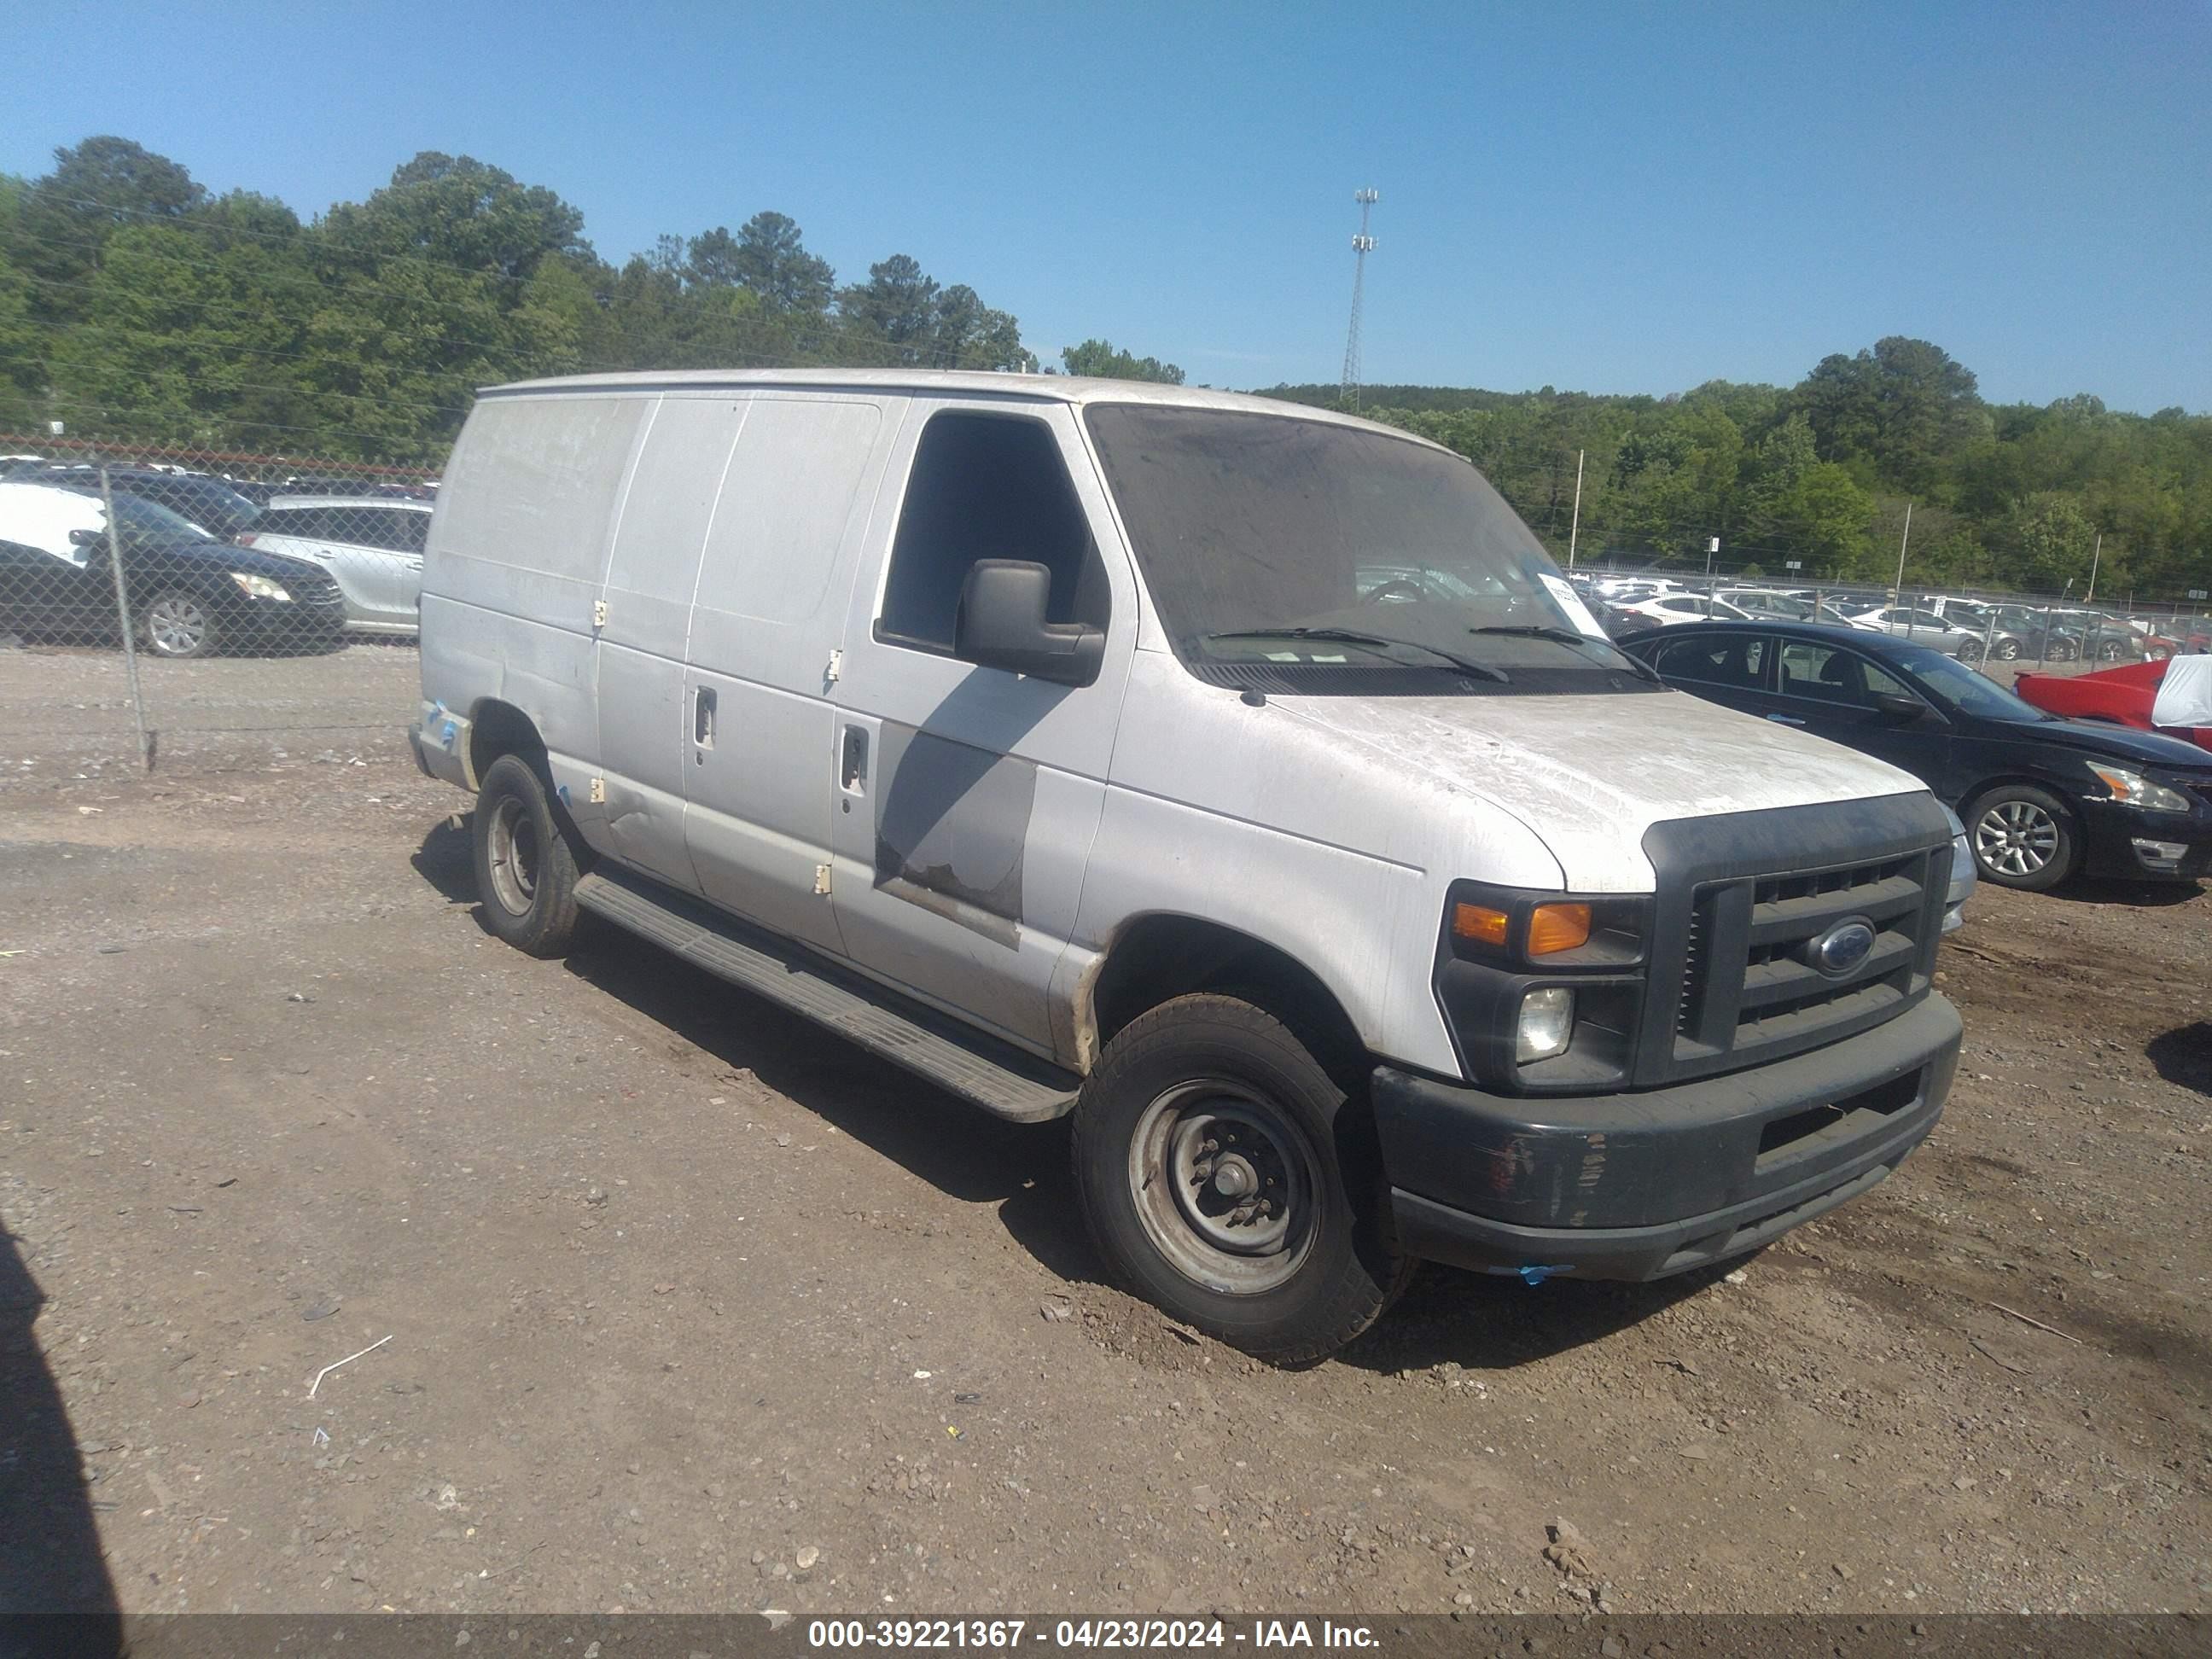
[(2000, 633), (198, 607)]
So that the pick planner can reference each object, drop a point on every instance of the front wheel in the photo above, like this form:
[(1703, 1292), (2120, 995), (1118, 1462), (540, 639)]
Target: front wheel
[(2023, 837), (526, 871), (177, 623), (2007, 650), (1228, 1179)]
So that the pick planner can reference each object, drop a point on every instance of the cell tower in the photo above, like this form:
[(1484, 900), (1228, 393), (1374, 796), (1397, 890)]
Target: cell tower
[(1362, 245)]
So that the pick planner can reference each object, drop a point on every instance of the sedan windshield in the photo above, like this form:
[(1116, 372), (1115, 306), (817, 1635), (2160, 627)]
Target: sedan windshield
[(1957, 687), (1272, 540), (144, 522)]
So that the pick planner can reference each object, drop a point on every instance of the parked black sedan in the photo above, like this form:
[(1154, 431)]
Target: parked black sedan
[(2042, 798), (190, 595)]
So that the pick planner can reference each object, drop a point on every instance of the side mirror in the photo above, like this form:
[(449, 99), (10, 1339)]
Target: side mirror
[(1899, 707), (86, 537), (1001, 624)]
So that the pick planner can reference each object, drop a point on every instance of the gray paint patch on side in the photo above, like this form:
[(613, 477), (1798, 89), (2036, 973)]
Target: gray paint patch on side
[(952, 821)]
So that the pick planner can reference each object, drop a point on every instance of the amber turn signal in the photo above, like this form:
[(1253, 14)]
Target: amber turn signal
[(1556, 927), (1486, 925)]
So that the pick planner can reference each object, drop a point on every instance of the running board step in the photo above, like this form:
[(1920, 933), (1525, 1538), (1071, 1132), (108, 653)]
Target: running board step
[(981, 1070)]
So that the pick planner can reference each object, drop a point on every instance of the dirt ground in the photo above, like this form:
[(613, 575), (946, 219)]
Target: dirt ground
[(683, 1305)]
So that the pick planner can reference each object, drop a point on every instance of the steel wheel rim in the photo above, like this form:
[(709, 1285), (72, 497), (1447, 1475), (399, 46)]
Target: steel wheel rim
[(514, 857), (1206, 1152), (175, 626), (2016, 838)]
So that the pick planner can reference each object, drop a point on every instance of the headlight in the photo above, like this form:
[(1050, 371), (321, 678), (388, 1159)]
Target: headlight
[(1546, 1024), (259, 587), (1962, 867), (2137, 790)]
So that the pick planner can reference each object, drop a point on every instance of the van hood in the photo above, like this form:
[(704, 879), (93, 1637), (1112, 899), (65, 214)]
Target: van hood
[(1589, 775)]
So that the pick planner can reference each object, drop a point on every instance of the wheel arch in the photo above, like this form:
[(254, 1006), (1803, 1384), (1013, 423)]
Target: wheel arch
[(496, 728), (1155, 957)]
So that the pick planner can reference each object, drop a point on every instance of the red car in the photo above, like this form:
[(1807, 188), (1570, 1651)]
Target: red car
[(2123, 696)]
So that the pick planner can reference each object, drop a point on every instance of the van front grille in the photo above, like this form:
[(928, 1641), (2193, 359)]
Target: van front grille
[(1755, 983)]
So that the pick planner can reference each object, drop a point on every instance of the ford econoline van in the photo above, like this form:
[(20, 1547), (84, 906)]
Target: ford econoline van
[(1239, 778)]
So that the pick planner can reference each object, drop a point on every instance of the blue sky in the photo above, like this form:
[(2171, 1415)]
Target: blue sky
[(1610, 198)]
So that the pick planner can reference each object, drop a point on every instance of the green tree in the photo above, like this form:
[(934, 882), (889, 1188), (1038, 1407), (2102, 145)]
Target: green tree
[(1103, 359), (768, 256), (1899, 411), (897, 304), (2049, 539)]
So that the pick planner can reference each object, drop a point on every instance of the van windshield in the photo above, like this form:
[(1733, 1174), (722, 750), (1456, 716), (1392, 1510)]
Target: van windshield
[(1271, 541)]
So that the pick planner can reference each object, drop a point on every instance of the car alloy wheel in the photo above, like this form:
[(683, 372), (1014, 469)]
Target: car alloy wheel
[(176, 626), (2016, 838)]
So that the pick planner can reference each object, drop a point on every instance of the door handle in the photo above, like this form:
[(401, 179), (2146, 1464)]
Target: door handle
[(702, 718), (853, 769), (1786, 719)]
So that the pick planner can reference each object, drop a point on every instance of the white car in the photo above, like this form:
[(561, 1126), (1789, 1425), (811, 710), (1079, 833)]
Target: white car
[(372, 546), (1669, 609)]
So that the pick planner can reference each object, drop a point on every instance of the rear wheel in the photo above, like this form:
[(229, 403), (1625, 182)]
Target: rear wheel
[(526, 869), (1230, 1179), (2023, 837), (2007, 650)]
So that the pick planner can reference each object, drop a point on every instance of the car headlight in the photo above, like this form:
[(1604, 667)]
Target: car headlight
[(259, 587), (1547, 1024), (2137, 790)]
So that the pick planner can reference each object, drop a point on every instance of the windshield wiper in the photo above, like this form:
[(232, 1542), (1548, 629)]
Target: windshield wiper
[(1637, 665), (1350, 636)]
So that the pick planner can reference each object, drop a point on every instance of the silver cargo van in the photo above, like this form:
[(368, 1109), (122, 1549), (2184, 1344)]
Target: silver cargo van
[(1240, 778)]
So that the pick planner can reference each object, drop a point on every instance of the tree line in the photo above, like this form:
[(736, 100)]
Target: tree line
[(2011, 496), (136, 305)]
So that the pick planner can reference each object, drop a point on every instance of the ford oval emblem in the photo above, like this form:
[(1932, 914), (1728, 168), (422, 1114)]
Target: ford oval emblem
[(1842, 950)]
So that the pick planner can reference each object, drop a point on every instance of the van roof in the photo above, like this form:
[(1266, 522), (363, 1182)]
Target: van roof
[(1041, 388)]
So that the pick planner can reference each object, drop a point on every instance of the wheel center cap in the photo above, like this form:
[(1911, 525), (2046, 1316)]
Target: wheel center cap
[(1233, 1177)]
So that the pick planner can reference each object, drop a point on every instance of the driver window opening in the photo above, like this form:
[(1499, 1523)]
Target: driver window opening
[(987, 487)]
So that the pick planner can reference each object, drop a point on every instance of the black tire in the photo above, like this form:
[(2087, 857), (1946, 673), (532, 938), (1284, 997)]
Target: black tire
[(1969, 651), (178, 624), (2023, 837), (2007, 650), (1212, 1071), (525, 867)]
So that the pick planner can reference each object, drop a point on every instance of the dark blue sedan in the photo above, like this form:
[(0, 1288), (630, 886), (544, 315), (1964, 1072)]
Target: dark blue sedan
[(2043, 798)]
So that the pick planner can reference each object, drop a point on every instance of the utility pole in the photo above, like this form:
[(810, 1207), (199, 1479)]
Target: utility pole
[(2090, 597), (1362, 245), (1896, 592), (1712, 547), (1575, 528)]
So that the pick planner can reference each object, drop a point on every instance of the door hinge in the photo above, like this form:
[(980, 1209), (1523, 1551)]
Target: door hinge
[(821, 879), (598, 613), (836, 668), (599, 791)]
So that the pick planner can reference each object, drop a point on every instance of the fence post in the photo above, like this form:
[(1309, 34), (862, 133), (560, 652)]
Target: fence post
[(122, 617), (2043, 643), (1989, 640)]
